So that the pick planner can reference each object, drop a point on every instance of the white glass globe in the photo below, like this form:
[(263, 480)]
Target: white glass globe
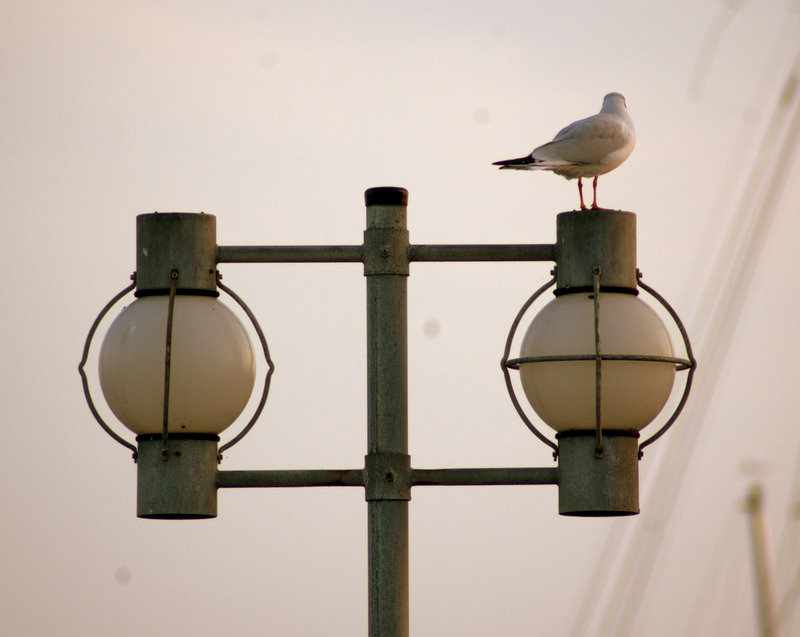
[(563, 392), (212, 365)]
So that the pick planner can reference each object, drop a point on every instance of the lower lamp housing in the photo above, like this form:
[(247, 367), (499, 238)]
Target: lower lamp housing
[(181, 485), (594, 484)]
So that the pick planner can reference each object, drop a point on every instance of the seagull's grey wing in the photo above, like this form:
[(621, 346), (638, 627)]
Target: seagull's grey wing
[(588, 141), (569, 129)]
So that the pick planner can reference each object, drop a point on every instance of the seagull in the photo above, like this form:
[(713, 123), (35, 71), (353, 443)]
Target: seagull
[(589, 147)]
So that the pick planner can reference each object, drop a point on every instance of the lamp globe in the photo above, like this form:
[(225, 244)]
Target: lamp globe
[(563, 393), (212, 365)]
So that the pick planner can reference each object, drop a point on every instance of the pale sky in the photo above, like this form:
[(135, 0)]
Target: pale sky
[(276, 117)]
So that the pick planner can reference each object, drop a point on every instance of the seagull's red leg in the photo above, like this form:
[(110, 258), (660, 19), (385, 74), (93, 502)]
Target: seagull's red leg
[(594, 200), (580, 192)]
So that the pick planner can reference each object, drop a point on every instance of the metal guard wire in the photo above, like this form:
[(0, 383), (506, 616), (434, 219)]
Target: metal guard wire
[(270, 367), (84, 379), (681, 364), (504, 364), (691, 367)]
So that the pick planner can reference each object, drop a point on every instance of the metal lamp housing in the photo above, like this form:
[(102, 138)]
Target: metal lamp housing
[(212, 366), (563, 392)]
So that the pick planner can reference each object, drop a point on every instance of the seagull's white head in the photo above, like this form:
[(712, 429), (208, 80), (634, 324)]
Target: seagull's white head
[(614, 101)]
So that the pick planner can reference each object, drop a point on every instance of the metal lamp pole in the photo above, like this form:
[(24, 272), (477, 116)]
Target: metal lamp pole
[(387, 475), (178, 476)]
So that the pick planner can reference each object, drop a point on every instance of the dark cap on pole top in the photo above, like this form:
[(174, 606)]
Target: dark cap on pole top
[(386, 196)]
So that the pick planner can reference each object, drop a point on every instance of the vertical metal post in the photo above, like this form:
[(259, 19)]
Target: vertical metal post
[(387, 466)]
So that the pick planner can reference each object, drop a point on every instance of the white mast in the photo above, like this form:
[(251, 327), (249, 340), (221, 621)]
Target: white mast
[(763, 562)]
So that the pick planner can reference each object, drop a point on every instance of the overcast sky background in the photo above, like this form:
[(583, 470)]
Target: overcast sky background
[(276, 117)]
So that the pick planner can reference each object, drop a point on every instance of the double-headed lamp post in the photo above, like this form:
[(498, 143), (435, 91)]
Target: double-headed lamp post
[(177, 368)]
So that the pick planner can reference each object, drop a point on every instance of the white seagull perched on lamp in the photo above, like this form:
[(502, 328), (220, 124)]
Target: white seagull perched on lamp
[(589, 147)]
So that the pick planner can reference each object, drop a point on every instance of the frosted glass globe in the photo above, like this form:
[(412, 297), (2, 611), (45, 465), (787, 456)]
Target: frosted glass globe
[(212, 365), (563, 392)]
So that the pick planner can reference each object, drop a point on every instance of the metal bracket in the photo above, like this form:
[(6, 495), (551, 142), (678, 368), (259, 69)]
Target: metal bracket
[(387, 476), (386, 251)]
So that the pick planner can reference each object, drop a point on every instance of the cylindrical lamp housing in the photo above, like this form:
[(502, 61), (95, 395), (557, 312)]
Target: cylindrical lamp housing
[(589, 238), (181, 486), (593, 485), (182, 241)]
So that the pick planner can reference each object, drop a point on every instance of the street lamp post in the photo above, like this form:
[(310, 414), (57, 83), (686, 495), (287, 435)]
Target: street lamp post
[(153, 386)]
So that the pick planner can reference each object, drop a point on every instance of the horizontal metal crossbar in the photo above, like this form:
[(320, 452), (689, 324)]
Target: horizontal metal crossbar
[(507, 252), (291, 478), (355, 253), (476, 477), (355, 477), (290, 254)]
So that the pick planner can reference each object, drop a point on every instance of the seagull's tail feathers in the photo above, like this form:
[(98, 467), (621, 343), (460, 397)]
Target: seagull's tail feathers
[(520, 163), (530, 162)]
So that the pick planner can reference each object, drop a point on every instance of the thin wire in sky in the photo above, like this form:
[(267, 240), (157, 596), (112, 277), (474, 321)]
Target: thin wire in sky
[(746, 242), (728, 284)]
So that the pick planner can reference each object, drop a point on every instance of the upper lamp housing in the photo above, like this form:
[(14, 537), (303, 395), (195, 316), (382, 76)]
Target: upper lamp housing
[(212, 366), (563, 392)]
